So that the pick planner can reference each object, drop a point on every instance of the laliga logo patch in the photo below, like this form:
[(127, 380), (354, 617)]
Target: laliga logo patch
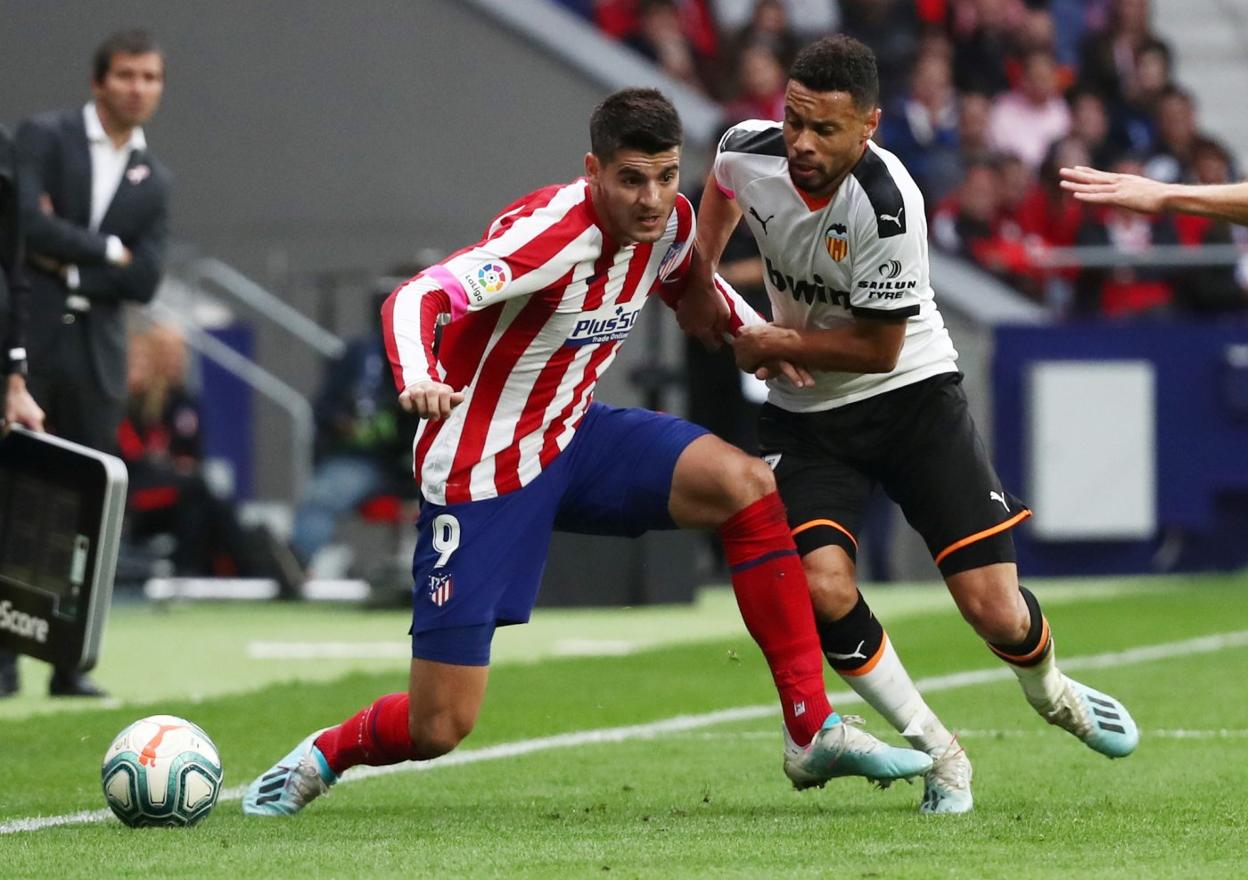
[(836, 239), (671, 260), (494, 276), (441, 587), (489, 278)]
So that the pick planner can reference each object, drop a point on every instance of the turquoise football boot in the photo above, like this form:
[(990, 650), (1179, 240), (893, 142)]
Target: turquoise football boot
[(841, 748), (292, 783), (1102, 722)]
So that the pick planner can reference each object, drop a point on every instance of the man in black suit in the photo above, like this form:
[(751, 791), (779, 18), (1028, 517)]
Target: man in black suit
[(94, 202), (19, 407)]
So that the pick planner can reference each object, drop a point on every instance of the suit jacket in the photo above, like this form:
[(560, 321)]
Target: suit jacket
[(14, 290), (54, 158)]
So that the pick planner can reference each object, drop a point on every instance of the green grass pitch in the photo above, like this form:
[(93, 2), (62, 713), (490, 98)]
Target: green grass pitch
[(707, 800)]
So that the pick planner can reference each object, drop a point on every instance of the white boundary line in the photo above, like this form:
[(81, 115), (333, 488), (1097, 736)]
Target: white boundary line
[(682, 723)]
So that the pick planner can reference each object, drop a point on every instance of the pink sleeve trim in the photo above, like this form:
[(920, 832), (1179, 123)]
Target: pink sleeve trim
[(454, 290), (725, 190)]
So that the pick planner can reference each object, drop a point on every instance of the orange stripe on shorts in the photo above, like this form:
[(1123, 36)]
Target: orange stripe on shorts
[(986, 533), (825, 522)]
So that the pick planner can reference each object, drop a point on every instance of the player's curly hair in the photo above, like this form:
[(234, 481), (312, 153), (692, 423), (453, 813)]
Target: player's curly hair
[(634, 119), (839, 64)]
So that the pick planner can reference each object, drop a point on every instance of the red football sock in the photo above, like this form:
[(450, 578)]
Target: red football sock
[(376, 736), (774, 599)]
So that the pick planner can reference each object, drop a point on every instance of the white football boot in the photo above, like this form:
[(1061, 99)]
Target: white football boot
[(947, 786)]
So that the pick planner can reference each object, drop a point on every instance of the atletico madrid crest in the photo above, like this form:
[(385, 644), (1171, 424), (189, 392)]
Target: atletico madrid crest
[(837, 241), (441, 586)]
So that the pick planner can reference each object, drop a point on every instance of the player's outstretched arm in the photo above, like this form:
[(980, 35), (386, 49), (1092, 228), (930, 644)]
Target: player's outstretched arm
[(701, 311), (430, 400), (1223, 201)]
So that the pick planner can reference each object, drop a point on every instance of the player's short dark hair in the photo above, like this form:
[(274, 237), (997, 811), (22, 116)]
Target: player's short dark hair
[(839, 64), (132, 42), (634, 119)]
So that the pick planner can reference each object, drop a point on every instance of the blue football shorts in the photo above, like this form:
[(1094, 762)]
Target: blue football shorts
[(478, 565)]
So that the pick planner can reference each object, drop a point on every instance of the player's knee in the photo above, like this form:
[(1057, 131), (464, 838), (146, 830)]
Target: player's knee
[(994, 619), (437, 735), (745, 479), (833, 590)]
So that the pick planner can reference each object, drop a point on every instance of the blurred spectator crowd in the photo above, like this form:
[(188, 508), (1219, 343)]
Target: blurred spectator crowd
[(984, 100)]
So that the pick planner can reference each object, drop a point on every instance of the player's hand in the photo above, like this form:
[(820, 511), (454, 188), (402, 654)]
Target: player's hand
[(430, 400), (701, 312), (795, 374), (47, 264), (20, 408), (756, 345), (1109, 188)]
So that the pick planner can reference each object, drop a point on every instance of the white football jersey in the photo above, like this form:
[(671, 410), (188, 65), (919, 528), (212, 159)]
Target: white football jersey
[(862, 252)]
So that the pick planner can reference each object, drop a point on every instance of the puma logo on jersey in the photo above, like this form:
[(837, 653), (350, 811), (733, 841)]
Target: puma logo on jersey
[(857, 655), (896, 218), (761, 221), (997, 496)]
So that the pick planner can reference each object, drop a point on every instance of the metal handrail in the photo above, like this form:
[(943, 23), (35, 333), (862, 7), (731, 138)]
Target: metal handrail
[(1107, 256), (248, 292), (303, 424), (581, 45)]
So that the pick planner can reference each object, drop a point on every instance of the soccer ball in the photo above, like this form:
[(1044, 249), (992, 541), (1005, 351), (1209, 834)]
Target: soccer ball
[(161, 770)]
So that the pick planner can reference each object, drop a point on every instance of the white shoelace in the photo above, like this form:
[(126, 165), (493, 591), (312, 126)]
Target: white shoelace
[(951, 769), (1071, 713)]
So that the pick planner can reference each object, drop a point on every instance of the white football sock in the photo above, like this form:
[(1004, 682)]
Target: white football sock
[(1042, 683), (887, 688)]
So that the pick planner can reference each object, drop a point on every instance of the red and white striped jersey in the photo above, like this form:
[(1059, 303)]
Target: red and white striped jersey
[(538, 309)]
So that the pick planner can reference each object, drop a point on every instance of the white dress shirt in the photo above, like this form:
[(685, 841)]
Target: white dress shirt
[(108, 164)]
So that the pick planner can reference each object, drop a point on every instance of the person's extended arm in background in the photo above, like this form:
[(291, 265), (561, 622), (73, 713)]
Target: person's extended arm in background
[(1226, 201), (19, 407)]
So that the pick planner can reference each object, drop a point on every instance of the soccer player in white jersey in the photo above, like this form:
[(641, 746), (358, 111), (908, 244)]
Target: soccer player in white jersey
[(512, 447), (841, 227)]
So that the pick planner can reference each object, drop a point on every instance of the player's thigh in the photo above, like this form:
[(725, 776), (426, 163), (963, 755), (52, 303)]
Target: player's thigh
[(621, 467), (824, 493), (938, 471), (478, 565)]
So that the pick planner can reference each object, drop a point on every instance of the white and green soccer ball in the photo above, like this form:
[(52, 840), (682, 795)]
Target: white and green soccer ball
[(161, 770)]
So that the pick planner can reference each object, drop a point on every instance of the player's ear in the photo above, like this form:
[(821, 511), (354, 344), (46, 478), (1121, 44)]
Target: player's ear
[(592, 166), (871, 123)]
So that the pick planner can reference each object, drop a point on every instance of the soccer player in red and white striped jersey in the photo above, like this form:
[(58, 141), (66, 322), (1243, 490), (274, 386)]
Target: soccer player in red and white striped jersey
[(512, 446)]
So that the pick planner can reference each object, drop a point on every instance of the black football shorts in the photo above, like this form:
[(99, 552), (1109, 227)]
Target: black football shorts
[(920, 444)]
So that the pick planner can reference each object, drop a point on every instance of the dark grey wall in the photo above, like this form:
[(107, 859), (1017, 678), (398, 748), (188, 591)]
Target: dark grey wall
[(329, 132), (307, 135)]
